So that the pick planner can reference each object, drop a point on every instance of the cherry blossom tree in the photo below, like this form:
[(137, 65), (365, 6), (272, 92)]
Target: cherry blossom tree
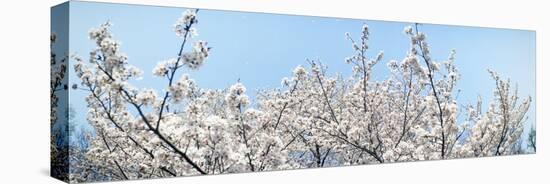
[(496, 131), (313, 120), (58, 85)]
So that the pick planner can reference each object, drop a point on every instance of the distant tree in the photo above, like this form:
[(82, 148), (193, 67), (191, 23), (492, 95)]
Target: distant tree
[(532, 139)]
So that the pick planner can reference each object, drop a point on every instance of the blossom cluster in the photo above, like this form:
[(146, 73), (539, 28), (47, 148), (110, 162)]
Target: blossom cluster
[(182, 27)]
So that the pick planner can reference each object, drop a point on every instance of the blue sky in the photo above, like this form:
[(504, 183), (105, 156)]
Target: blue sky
[(260, 49)]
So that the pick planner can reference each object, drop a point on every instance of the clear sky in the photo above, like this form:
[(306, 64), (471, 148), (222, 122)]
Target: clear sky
[(260, 49)]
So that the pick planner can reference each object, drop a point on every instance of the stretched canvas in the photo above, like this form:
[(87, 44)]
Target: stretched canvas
[(141, 92)]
